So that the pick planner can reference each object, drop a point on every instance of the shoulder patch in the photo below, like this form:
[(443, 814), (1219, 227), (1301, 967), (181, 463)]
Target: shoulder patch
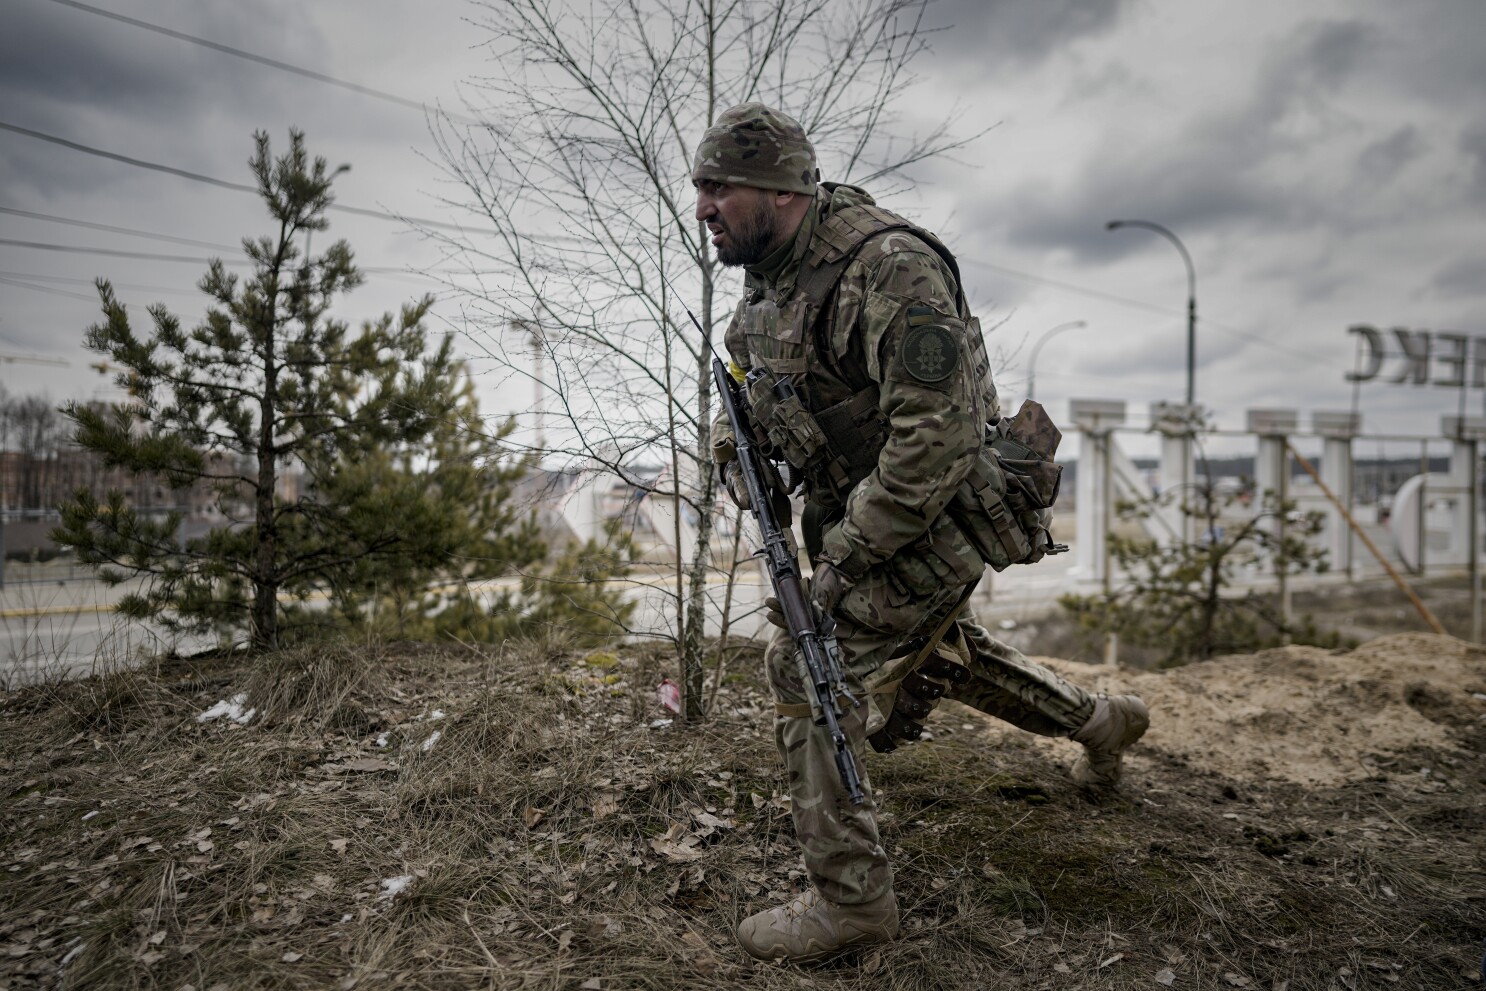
[(930, 353)]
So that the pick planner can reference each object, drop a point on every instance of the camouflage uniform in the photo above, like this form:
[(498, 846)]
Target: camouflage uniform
[(893, 394)]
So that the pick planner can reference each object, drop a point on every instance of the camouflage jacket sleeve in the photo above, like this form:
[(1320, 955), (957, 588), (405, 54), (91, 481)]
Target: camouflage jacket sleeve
[(897, 314)]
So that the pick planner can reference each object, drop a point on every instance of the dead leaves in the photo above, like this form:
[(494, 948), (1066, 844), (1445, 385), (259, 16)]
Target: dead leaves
[(359, 765), (696, 951), (683, 842), (678, 843)]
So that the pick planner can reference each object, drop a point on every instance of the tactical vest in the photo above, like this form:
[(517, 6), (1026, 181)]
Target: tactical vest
[(820, 413), (822, 416)]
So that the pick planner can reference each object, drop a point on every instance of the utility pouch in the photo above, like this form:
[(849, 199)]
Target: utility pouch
[(1006, 500), (979, 508), (791, 430)]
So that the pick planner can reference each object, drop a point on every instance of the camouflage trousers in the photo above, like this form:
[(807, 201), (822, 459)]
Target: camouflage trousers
[(839, 841)]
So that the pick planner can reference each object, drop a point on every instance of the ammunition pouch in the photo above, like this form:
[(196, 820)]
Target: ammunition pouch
[(835, 448), (918, 695), (898, 728)]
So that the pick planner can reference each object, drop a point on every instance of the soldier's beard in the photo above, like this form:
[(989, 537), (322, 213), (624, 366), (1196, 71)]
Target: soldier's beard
[(752, 240)]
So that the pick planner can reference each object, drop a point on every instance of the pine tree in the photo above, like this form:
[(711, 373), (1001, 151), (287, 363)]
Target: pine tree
[(1179, 598), (452, 498), (268, 379)]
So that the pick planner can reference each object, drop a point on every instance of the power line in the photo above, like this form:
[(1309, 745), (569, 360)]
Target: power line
[(47, 289), (1071, 287), (75, 249), (1142, 305), (73, 280), (319, 77), (114, 156), (383, 215), (211, 180), (79, 249), (119, 230)]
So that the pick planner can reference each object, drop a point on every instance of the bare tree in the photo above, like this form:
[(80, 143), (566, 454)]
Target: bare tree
[(40, 435), (582, 170)]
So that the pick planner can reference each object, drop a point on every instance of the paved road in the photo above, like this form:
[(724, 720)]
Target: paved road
[(70, 629)]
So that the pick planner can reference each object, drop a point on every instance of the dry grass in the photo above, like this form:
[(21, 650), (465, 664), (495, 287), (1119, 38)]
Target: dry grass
[(553, 839)]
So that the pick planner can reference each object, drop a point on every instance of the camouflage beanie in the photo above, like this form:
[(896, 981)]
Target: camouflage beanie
[(754, 145)]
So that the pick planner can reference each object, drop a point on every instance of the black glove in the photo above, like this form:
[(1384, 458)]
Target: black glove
[(827, 586)]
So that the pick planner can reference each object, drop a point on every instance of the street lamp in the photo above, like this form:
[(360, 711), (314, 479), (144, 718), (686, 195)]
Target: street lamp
[(1191, 296), (1032, 362)]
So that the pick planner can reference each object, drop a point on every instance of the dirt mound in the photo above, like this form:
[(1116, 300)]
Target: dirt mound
[(1307, 715)]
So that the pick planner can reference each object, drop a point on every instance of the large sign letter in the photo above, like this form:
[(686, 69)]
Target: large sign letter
[(1369, 353), (1415, 345), (1453, 349)]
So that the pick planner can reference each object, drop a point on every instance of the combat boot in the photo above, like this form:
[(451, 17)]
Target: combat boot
[(1116, 723), (810, 928)]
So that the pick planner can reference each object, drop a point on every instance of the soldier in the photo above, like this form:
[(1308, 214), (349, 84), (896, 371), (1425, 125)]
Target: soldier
[(862, 312)]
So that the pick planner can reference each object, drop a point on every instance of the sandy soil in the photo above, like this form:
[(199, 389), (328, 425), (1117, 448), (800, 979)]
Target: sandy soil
[(1302, 714)]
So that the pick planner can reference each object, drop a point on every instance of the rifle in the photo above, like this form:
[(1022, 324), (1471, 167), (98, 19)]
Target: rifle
[(815, 643)]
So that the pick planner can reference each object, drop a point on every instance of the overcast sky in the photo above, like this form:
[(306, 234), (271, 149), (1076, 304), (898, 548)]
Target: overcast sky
[(1323, 162)]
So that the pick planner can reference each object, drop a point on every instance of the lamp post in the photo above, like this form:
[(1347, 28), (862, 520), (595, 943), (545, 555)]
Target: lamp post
[(1191, 296), (1036, 348)]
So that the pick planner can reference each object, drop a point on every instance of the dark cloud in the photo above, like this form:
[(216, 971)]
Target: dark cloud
[(106, 84), (1462, 277), (1386, 157), (1231, 168), (1473, 145), (1329, 52), (54, 58), (1011, 34), (1436, 51)]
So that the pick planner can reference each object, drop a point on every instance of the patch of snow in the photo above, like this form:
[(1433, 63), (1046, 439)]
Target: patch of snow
[(660, 724), (428, 743), (394, 886), (231, 708), (381, 739), (90, 815), (436, 714)]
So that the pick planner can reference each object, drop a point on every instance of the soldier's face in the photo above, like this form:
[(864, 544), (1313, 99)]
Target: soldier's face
[(744, 221)]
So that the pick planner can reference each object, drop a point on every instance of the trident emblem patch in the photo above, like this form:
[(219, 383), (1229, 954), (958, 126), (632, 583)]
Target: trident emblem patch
[(929, 353)]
